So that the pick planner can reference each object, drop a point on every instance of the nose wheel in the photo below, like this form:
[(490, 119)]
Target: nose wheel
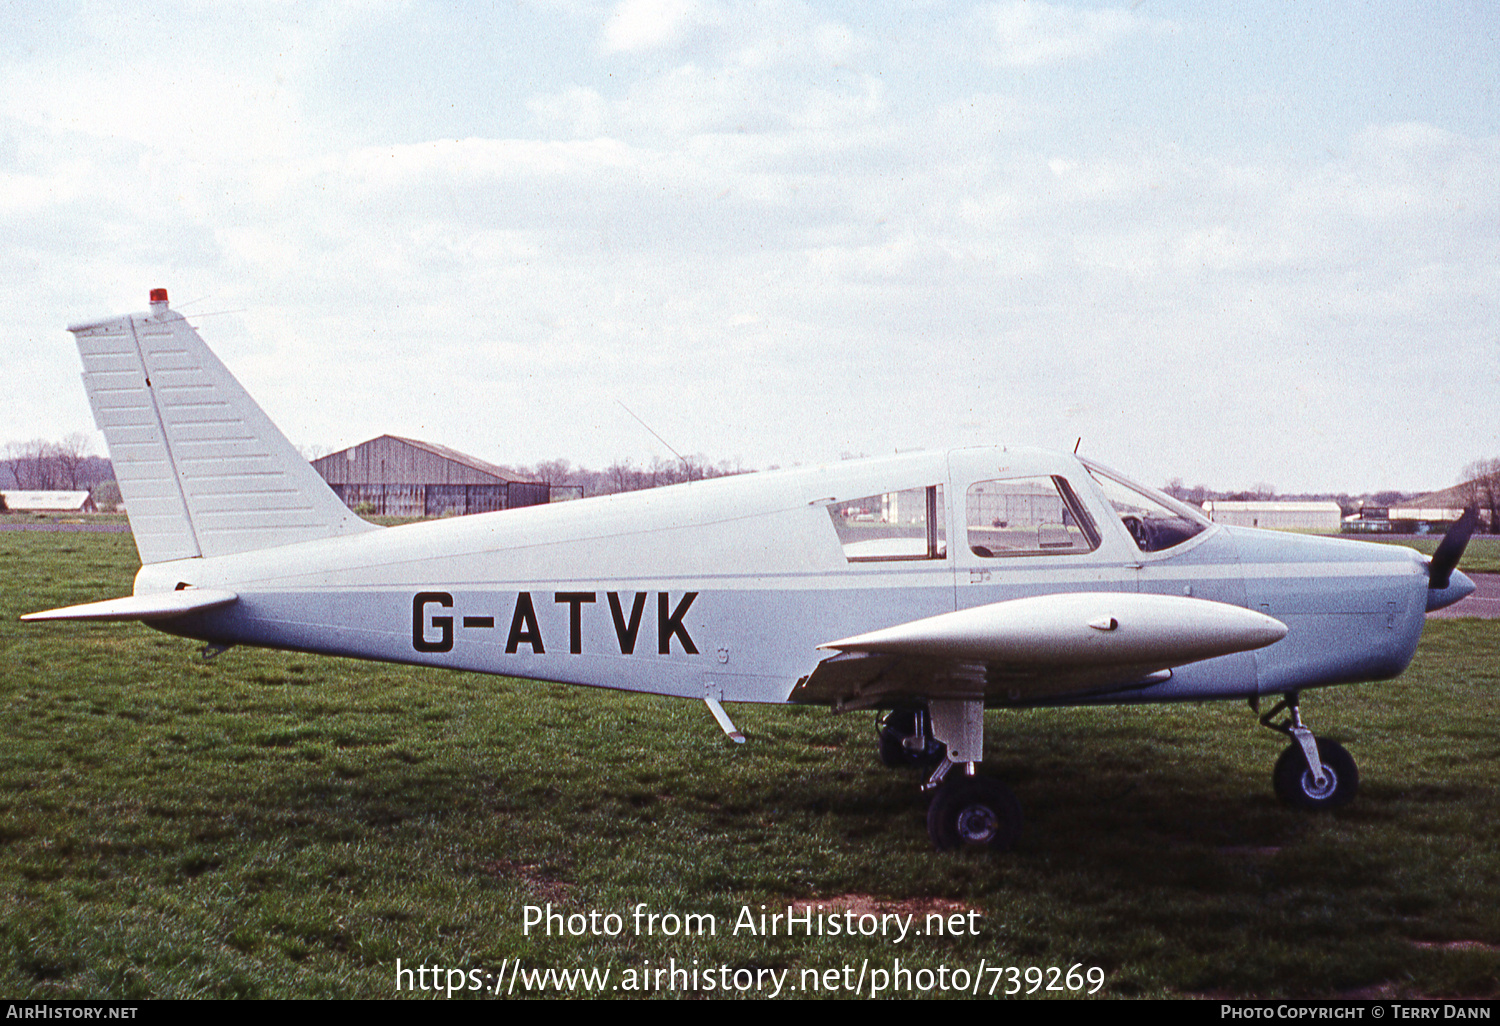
[(1313, 772), (1297, 786)]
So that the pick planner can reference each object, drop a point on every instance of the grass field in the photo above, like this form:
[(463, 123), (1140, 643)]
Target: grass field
[(1482, 555), (276, 825)]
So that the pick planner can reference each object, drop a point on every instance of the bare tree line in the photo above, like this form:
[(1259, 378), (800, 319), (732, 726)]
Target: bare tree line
[(625, 476), (64, 465), (1265, 492)]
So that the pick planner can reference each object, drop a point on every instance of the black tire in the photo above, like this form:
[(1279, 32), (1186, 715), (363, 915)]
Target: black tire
[(974, 812), (1294, 782), (894, 728), (892, 752)]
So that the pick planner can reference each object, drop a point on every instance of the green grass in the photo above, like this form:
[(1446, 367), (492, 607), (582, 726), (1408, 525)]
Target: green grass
[(15, 517), (278, 825), (1481, 556)]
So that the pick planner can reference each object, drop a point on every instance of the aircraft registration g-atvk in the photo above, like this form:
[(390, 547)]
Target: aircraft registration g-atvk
[(929, 585)]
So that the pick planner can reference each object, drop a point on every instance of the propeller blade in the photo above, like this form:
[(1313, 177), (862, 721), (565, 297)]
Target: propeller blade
[(1451, 549)]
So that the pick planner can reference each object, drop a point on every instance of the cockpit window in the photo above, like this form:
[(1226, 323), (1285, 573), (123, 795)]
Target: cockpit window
[(1154, 519), (895, 525), (1027, 516)]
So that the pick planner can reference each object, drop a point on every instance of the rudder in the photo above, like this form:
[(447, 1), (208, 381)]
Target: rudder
[(201, 468)]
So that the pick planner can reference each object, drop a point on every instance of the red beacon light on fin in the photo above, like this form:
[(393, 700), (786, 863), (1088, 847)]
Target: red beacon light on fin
[(158, 295)]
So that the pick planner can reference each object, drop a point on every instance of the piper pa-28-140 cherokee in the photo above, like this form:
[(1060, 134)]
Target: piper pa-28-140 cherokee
[(930, 585)]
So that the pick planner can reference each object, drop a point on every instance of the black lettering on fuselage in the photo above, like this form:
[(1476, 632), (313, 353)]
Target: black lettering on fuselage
[(443, 624), (626, 632), (667, 626), (526, 629), (523, 626), (575, 601)]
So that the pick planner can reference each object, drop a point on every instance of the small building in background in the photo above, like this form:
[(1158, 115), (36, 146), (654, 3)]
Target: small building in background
[(1423, 519), (403, 477), (1450, 503), (1277, 516), (49, 502), (1409, 519)]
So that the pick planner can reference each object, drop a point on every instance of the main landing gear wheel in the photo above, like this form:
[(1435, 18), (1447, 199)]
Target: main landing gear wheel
[(1296, 785), (906, 739), (975, 812)]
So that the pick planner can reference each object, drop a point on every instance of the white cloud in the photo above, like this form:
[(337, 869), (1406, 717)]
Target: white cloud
[(1029, 33), (647, 24), (784, 226)]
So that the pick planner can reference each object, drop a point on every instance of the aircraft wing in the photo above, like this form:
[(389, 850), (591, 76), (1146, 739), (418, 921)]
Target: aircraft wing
[(159, 606), (1031, 649)]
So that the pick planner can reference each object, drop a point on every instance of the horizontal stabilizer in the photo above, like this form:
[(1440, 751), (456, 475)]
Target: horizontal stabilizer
[(159, 606)]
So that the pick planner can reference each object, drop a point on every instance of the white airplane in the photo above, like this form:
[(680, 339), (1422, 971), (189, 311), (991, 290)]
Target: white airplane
[(931, 585)]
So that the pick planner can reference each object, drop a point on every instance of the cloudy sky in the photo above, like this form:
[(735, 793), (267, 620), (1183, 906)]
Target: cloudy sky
[(1232, 243)]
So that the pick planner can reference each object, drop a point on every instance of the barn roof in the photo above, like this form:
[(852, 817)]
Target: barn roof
[(446, 453), (1457, 497), (497, 473), (63, 501)]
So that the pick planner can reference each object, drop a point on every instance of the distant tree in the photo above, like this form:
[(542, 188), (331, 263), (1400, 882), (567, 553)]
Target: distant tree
[(69, 455), (625, 476), (552, 472), (106, 495), (31, 465), (1482, 489), (42, 465)]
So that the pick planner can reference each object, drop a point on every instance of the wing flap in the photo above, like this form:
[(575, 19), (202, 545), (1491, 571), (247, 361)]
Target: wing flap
[(160, 606)]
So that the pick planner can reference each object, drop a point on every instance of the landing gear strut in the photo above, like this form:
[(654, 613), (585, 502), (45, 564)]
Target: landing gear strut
[(1313, 772), (966, 810), (906, 739)]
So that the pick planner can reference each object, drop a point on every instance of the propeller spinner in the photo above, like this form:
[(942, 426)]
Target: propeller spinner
[(1445, 583)]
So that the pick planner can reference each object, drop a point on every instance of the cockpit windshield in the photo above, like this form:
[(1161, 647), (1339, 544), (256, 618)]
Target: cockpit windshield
[(1154, 519)]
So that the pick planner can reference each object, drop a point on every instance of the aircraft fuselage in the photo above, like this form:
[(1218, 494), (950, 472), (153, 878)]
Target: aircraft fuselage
[(727, 587)]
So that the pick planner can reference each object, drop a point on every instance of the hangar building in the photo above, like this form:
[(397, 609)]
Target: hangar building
[(402, 477), (1282, 516), (49, 502)]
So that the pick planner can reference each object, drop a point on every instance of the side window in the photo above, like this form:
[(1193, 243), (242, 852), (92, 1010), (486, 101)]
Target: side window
[(893, 525), (1027, 516)]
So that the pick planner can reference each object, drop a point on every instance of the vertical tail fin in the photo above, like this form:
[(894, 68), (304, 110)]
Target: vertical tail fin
[(202, 469)]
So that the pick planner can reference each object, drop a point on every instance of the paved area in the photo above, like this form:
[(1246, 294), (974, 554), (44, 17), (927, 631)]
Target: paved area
[(1485, 602), (90, 528)]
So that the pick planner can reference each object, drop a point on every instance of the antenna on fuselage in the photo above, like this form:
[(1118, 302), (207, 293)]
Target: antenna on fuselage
[(686, 467), (1077, 444)]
